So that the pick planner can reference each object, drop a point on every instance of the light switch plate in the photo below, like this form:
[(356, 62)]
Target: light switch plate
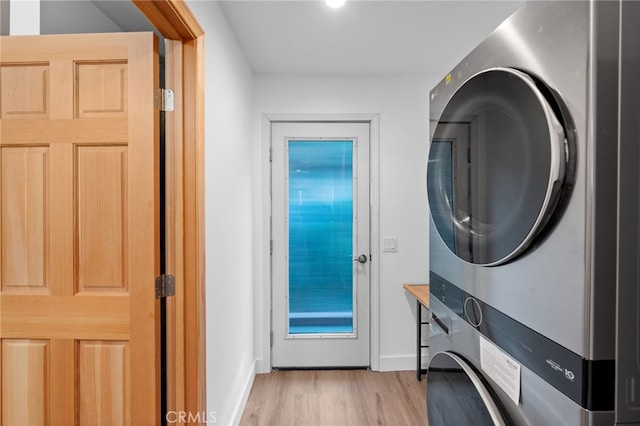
[(390, 244)]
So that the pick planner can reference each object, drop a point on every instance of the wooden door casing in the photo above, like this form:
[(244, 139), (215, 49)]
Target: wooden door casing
[(79, 243), (186, 372)]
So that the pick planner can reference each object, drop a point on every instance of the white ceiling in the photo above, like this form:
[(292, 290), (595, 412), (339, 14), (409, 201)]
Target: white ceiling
[(364, 36)]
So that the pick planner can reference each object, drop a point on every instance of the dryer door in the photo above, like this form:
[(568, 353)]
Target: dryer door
[(456, 394), (496, 166)]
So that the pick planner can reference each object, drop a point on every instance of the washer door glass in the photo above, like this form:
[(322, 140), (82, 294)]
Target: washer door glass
[(496, 166), (456, 395)]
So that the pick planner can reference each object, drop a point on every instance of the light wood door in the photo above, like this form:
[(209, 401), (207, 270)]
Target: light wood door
[(79, 246)]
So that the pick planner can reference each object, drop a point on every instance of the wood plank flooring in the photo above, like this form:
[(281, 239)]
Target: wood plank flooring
[(335, 398)]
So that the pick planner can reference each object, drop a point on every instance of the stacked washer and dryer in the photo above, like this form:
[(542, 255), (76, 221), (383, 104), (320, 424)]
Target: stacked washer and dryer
[(522, 188)]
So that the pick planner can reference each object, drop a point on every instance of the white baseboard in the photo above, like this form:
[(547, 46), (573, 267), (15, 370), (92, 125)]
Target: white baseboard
[(262, 367), (400, 362), (237, 414)]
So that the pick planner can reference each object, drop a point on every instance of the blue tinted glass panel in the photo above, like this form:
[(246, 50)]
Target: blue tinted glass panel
[(320, 237)]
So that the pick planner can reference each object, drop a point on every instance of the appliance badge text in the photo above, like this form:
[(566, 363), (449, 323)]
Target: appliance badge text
[(568, 374)]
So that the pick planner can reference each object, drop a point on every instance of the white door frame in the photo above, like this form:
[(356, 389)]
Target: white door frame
[(263, 264)]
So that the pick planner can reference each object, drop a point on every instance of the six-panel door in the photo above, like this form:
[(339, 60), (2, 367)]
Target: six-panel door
[(78, 230)]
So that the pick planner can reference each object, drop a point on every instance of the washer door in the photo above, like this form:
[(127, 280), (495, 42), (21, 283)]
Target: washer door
[(496, 166), (456, 395)]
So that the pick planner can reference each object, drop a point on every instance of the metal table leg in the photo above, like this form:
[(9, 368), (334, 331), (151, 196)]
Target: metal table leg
[(419, 341), (419, 346)]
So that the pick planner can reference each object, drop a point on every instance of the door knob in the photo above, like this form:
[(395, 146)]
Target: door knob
[(362, 258)]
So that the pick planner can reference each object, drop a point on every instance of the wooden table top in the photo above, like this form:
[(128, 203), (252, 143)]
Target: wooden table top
[(420, 292)]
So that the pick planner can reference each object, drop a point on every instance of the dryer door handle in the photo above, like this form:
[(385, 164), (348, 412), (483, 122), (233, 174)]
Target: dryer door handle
[(440, 323)]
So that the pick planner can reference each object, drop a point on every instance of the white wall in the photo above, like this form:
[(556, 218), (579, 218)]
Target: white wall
[(402, 104), (25, 17), (73, 17), (229, 217)]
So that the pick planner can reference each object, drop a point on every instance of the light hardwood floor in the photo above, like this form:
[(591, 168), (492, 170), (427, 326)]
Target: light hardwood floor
[(335, 398)]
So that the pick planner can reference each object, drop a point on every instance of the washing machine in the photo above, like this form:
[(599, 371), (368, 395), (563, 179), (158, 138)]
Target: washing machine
[(521, 185)]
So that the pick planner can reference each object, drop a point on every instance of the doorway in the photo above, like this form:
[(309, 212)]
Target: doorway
[(321, 251)]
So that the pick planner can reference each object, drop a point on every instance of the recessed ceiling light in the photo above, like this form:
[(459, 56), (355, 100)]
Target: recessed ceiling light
[(335, 3)]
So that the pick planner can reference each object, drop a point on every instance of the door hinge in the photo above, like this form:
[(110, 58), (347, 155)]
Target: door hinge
[(164, 99), (165, 286), (271, 339), (270, 247)]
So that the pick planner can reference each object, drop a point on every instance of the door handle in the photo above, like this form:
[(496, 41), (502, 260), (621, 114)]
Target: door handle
[(362, 258), (441, 323)]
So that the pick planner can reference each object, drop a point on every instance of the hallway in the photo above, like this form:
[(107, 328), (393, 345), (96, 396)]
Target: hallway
[(336, 397)]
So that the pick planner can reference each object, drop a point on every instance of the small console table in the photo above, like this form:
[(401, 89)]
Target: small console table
[(421, 293)]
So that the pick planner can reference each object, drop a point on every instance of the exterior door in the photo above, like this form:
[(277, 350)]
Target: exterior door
[(321, 255), (79, 230)]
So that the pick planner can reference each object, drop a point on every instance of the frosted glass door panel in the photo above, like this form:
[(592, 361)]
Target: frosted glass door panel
[(320, 228)]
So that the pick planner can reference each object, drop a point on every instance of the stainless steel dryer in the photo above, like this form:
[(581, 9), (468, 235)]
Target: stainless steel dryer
[(521, 182)]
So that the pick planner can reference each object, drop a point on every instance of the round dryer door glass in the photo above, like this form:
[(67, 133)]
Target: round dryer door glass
[(456, 395), (496, 166)]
